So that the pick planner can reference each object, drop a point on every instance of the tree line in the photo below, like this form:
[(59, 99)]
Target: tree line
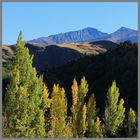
[(30, 110)]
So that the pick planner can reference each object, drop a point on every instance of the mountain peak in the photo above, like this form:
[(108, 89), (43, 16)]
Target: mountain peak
[(91, 29), (122, 28), (125, 29)]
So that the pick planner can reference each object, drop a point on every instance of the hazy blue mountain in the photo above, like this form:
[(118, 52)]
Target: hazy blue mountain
[(88, 35), (43, 41), (83, 35), (122, 35)]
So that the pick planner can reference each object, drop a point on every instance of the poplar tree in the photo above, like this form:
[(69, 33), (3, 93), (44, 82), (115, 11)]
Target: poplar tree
[(24, 96), (98, 128), (81, 122), (46, 100), (91, 115), (74, 106), (132, 123), (114, 110), (79, 108), (58, 111), (82, 92), (46, 107)]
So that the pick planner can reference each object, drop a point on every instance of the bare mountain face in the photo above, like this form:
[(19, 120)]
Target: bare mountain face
[(52, 56), (88, 35)]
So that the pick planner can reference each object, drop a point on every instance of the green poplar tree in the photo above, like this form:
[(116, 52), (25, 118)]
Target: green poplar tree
[(114, 110), (82, 92), (81, 108), (58, 111), (24, 96), (82, 122), (132, 123), (91, 116)]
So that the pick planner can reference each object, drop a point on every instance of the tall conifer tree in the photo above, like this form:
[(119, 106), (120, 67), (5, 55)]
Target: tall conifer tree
[(23, 97)]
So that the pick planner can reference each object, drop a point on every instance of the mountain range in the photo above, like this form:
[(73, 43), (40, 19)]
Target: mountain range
[(88, 35)]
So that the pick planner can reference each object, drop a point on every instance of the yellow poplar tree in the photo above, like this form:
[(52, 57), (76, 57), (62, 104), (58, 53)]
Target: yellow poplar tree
[(74, 106), (98, 130), (58, 111), (46, 100), (79, 108), (46, 107)]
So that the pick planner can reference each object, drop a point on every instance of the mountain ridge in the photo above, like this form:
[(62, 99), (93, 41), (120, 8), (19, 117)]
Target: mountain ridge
[(88, 34), (51, 56)]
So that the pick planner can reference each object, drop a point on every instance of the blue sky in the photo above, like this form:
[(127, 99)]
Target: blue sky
[(40, 19)]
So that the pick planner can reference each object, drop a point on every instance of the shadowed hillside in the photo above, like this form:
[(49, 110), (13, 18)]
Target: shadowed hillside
[(105, 44), (52, 56), (119, 64)]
